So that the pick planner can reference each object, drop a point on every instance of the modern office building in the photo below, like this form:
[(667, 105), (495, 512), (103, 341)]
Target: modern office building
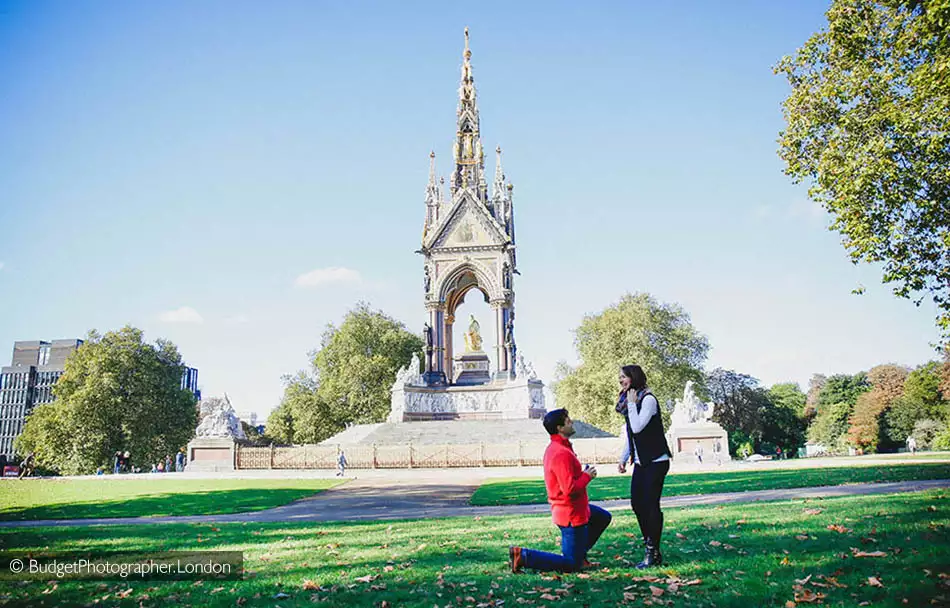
[(27, 382), (189, 380)]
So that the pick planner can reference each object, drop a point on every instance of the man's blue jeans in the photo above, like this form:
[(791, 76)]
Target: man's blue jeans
[(575, 543)]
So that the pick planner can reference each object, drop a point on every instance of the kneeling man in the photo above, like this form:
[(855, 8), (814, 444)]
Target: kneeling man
[(580, 522)]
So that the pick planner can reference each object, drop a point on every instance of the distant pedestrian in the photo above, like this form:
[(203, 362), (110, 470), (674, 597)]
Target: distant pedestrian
[(717, 451), (912, 445), (126, 461), (180, 461), (698, 452), (26, 467), (168, 463), (341, 464), (116, 462)]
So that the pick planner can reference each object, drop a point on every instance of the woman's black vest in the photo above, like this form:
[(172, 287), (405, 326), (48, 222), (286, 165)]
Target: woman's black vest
[(650, 442)]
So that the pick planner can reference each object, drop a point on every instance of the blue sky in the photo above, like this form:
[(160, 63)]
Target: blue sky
[(179, 166)]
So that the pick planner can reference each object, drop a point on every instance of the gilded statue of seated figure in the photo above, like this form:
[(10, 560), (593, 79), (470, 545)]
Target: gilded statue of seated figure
[(473, 340)]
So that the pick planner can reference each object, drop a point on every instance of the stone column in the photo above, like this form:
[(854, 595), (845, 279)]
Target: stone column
[(436, 375), (501, 351), (449, 347)]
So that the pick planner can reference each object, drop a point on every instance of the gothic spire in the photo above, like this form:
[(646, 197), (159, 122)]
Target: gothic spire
[(469, 161), (432, 194), (498, 188)]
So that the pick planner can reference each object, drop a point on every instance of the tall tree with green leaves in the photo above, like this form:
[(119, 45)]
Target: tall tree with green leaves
[(117, 393), (349, 379), (835, 404), (868, 128), (887, 386), (637, 330)]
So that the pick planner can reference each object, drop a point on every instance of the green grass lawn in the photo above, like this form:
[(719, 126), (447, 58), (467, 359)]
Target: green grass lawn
[(147, 497), (765, 554), (527, 491)]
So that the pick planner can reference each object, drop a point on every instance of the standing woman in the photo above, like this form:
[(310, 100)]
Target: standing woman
[(650, 456)]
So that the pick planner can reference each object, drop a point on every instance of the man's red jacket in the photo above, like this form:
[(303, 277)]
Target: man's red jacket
[(566, 484)]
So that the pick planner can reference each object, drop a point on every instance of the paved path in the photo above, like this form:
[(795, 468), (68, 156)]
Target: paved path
[(368, 500)]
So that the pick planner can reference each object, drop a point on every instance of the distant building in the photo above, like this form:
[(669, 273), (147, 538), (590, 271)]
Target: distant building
[(27, 382), (189, 380), (249, 417)]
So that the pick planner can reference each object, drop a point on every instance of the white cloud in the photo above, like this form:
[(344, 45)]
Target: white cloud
[(238, 319), (326, 276), (185, 314)]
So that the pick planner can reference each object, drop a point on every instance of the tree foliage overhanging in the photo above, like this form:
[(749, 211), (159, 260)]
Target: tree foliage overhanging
[(117, 393), (868, 127), (349, 379)]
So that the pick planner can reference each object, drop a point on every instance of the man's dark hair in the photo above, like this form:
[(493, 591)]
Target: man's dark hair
[(554, 419), (638, 379)]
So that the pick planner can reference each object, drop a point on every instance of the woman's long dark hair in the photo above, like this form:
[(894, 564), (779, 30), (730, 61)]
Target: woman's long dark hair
[(638, 379)]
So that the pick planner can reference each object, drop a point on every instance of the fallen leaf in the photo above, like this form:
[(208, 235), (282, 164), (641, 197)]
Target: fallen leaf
[(790, 604), (309, 585), (583, 575), (858, 553), (802, 581), (680, 536), (544, 596), (812, 511), (838, 528), (630, 597), (808, 596), (656, 591), (366, 579), (715, 543), (874, 581), (801, 537)]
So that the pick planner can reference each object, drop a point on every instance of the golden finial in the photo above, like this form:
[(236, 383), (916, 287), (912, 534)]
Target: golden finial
[(432, 154), (468, 53)]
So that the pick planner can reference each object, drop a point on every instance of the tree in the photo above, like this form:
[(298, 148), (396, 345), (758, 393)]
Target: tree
[(830, 426), (868, 126), (843, 388), (887, 386), (739, 404), (897, 422), (815, 385), (117, 392), (925, 431), (637, 330), (923, 386), (788, 395), (349, 381), (765, 419)]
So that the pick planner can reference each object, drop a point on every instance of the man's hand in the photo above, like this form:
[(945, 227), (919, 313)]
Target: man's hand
[(592, 471), (622, 468)]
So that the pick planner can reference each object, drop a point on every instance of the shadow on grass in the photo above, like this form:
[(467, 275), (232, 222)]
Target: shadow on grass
[(530, 491), (213, 502)]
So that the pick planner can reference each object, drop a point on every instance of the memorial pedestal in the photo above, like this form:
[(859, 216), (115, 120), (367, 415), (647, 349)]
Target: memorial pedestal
[(211, 454)]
